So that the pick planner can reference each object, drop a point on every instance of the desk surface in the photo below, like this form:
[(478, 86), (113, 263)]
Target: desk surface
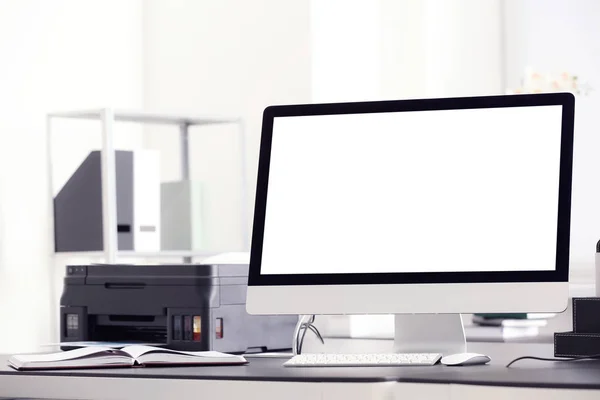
[(526, 373)]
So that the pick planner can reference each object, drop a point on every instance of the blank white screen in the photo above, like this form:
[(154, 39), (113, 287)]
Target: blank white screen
[(426, 191)]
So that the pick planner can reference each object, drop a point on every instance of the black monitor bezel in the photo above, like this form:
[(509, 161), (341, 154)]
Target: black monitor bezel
[(561, 272)]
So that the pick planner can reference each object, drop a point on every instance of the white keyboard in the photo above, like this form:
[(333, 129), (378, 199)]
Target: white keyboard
[(363, 360)]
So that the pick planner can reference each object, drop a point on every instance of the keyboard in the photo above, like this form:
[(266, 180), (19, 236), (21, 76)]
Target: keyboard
[(363, 360)]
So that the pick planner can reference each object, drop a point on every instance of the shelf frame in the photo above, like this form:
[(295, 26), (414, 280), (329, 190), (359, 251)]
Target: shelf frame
[(107, 117)]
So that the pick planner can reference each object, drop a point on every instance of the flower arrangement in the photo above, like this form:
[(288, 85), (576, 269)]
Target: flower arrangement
[(540, 82)]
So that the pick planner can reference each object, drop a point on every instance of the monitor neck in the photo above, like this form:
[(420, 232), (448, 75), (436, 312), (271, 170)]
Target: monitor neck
[(429, 333)]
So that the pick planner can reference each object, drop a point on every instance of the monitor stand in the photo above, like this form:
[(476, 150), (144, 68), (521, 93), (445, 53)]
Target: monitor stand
[(429, 333)]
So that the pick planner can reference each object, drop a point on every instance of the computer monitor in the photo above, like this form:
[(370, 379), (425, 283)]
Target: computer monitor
[(414, 207)]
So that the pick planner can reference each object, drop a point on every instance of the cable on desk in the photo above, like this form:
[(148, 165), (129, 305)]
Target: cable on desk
[(305, 326), (590, 357)]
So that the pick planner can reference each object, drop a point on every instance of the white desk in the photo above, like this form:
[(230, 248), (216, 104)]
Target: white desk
[(266, 379)]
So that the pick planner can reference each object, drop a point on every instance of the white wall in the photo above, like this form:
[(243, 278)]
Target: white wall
[(441, 48), (394, 49), (555, 36), (56, 55), (226, 57), (346, 50)]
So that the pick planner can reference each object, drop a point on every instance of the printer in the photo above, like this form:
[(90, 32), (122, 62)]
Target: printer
[(184, 307)]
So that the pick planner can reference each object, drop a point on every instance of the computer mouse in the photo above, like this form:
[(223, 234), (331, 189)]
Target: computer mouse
[(465, 359)]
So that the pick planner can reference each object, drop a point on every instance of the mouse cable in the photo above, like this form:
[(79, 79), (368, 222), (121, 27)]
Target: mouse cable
[(590, 357)]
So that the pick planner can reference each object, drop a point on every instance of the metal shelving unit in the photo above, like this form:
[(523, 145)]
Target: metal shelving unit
[(107, 117)]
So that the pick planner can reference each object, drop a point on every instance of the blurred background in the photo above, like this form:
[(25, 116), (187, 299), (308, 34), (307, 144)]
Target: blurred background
[(230, 59)]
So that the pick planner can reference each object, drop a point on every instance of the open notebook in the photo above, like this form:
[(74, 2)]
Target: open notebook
[(136, 355)]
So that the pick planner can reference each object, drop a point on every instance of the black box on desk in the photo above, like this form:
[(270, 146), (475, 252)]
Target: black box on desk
[(586, 315), (584, 340), (571, 344), (185, 307)]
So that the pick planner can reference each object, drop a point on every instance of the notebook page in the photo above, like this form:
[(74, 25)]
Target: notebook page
[(61, 356), (139, 350)]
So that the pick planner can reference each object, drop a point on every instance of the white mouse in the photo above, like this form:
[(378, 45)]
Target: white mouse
[(465, 359)]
